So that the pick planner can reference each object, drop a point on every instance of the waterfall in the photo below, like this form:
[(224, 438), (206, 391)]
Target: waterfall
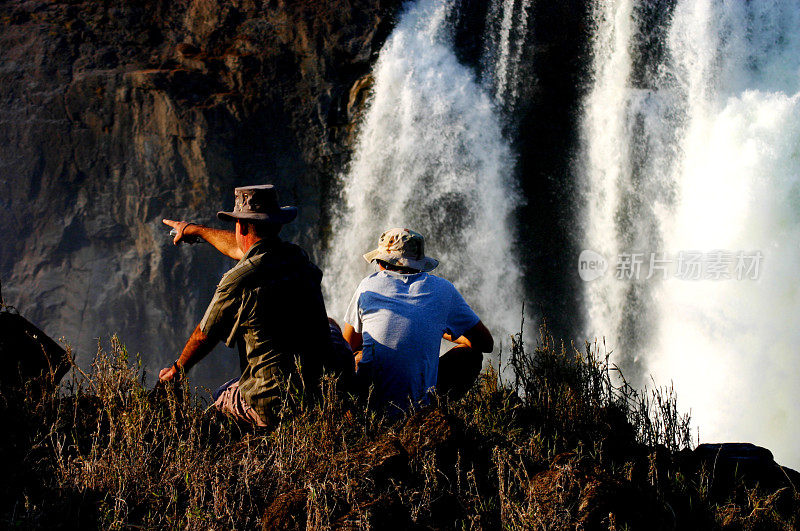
[(691, 156), (507, 24), (430, 156)]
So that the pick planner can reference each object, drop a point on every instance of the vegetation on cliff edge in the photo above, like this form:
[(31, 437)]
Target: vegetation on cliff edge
[(557, 445)]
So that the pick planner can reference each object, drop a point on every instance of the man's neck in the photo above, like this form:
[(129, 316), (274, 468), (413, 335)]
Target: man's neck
[(248, 241), (398, 269), (269, 240)]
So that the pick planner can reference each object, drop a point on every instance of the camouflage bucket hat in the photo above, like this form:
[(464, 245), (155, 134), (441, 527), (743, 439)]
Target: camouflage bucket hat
[(404, 248), (258, 203)]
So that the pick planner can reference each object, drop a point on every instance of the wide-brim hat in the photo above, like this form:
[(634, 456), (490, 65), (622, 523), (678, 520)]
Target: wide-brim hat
[(259, 204), (404, 248)]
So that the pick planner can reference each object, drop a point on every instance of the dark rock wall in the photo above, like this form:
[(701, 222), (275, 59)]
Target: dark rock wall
[(547, 143), (118, 113)]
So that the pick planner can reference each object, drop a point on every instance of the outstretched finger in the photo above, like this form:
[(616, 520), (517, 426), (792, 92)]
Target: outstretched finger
[(179, 227)]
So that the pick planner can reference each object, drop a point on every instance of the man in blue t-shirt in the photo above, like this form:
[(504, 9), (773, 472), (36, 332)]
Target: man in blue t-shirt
[(397, 319)]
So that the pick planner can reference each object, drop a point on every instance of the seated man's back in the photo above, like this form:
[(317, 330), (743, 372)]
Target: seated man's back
[(271, 305), (402, 318), (398, 317)]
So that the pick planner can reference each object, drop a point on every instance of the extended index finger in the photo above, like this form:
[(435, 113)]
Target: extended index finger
[(173, 224)]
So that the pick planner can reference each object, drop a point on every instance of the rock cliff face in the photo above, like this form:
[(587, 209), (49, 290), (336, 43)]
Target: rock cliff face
[(116, 114)]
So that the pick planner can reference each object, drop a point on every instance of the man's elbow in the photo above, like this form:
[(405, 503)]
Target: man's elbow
[(481, 338)]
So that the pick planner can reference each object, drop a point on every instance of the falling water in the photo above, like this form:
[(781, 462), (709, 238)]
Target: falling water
[(430, 156), (701, 156), (507, 24)]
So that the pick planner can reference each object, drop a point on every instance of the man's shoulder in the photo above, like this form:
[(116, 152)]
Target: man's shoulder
[(238, 274), (437, 283), (272, 262), (275, 254), (436, 279)]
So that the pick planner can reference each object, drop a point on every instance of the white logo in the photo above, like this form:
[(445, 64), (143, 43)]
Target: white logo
[(591, 265)]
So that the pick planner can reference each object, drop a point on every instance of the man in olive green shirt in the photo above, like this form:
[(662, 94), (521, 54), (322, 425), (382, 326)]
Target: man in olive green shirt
[(270, 305)]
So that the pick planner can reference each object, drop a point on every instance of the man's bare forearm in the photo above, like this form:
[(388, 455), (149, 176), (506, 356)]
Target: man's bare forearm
[(353, 338), (223, 240), (197, 347)]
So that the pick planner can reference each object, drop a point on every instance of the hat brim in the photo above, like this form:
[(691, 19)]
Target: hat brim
[(424, 264), (283, 215)]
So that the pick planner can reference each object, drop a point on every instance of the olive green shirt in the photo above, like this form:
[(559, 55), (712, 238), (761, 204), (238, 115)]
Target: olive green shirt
[(271, 305)]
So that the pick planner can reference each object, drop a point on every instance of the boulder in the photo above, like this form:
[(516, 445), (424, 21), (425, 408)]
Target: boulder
[(729, 466), (28, 357)]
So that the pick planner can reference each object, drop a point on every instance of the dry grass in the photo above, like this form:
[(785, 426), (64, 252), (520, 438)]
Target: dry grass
[(110, 453), (556, 448)]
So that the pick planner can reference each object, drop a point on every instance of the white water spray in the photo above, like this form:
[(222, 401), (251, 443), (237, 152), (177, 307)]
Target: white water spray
[(715, 144), (507, 25), (606, 161), (431, 156)]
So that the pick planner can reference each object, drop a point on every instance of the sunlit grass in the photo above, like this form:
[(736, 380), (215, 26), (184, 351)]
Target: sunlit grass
[(108, 452)]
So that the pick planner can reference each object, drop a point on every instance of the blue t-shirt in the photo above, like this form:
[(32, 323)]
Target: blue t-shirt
[(402, 319)]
